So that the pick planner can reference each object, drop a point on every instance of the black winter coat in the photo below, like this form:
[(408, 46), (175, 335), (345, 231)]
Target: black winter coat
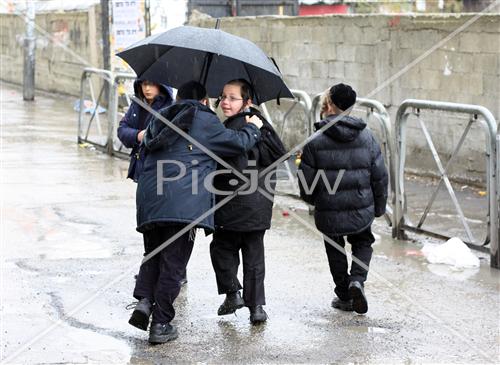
[(135, 120), (249, 210), (362, 193), (178, 192)]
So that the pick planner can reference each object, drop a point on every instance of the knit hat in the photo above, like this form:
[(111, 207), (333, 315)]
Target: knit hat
[(343, 96)]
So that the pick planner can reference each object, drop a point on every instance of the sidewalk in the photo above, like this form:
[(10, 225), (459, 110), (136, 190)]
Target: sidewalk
[(70, 250)]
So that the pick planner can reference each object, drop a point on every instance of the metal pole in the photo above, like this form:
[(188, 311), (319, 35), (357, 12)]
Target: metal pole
[(147, 17), (112, 116), (234, 7), (106, 48), (29, 53), (106, 52), (494, 254)]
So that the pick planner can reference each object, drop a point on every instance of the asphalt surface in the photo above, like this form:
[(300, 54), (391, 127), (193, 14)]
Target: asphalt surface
[(70, 251)]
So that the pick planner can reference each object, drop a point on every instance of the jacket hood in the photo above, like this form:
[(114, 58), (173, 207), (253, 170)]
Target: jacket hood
[(181, 114), (345, 129), (164, 90)]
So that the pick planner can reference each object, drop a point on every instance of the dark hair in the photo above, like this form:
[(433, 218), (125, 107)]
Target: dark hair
[(192, 90), (343, 96), (148, 82), (138, 87), (245, 87)]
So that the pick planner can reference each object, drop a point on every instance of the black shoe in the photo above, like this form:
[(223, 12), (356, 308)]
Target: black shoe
[(162, 332), (257, 314), (343, 305), (232, 302), (141, 313), (357, 294)]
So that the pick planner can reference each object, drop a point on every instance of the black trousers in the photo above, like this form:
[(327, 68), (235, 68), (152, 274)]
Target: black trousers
[(361, 248), (224, 252), (159, 277)]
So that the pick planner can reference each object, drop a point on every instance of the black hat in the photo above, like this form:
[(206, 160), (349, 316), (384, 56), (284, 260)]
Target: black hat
[(343, 96), (192, 90)]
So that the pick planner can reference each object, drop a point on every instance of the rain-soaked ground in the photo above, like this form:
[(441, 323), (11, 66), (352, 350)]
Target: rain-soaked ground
[(70, 250)]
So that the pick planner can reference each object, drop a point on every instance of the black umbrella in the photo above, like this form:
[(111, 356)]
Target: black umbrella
[(210, 56)]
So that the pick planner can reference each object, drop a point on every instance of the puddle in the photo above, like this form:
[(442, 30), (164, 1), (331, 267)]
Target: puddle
[(73, 248), (366, 329)]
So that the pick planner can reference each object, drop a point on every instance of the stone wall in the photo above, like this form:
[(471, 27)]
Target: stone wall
[(391, 58), (56, 70), (384, 57)]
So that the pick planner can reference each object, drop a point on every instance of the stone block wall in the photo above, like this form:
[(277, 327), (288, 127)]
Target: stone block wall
[(66, 42), (390, 58)]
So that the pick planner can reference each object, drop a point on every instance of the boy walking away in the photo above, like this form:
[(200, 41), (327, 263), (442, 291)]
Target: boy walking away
[(350, 148)]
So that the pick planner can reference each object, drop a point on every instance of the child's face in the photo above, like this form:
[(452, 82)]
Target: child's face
[(150, 90), (232, 101)]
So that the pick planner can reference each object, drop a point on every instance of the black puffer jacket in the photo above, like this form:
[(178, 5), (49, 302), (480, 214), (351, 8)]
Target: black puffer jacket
[(362, 192), (249, 210)]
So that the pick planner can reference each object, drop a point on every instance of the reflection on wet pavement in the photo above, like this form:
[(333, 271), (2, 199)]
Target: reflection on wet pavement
[(69, 231)]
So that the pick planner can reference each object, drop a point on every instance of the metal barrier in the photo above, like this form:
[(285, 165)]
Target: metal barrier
[(494, 249), (490, 129), (303, 100), (375, 109), (100, 140), (116, 147), (394, 157)]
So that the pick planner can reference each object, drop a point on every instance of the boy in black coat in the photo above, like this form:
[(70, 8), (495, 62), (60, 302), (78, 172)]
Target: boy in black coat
[(241, 223), (346, 151)]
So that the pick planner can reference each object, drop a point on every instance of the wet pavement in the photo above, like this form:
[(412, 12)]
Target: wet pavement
[(70, 251)]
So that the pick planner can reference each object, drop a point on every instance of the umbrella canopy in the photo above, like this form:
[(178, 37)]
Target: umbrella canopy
[(210, 56)]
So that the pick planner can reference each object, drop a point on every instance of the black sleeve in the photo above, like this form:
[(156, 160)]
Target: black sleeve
[(127, 131), (378, 179), (306, 173)]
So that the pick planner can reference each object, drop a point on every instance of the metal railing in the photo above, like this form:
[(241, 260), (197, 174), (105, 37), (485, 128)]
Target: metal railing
[(303, 100), (86, 128), (394, 147), (374, 110), (116, 147), (490, 128), (494, 245)]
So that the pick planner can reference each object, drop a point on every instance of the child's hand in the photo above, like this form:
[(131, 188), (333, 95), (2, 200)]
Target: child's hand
[(254, 120), (140, 135)]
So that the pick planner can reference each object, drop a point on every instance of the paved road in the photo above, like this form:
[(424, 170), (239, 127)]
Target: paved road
[(69, 253)]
